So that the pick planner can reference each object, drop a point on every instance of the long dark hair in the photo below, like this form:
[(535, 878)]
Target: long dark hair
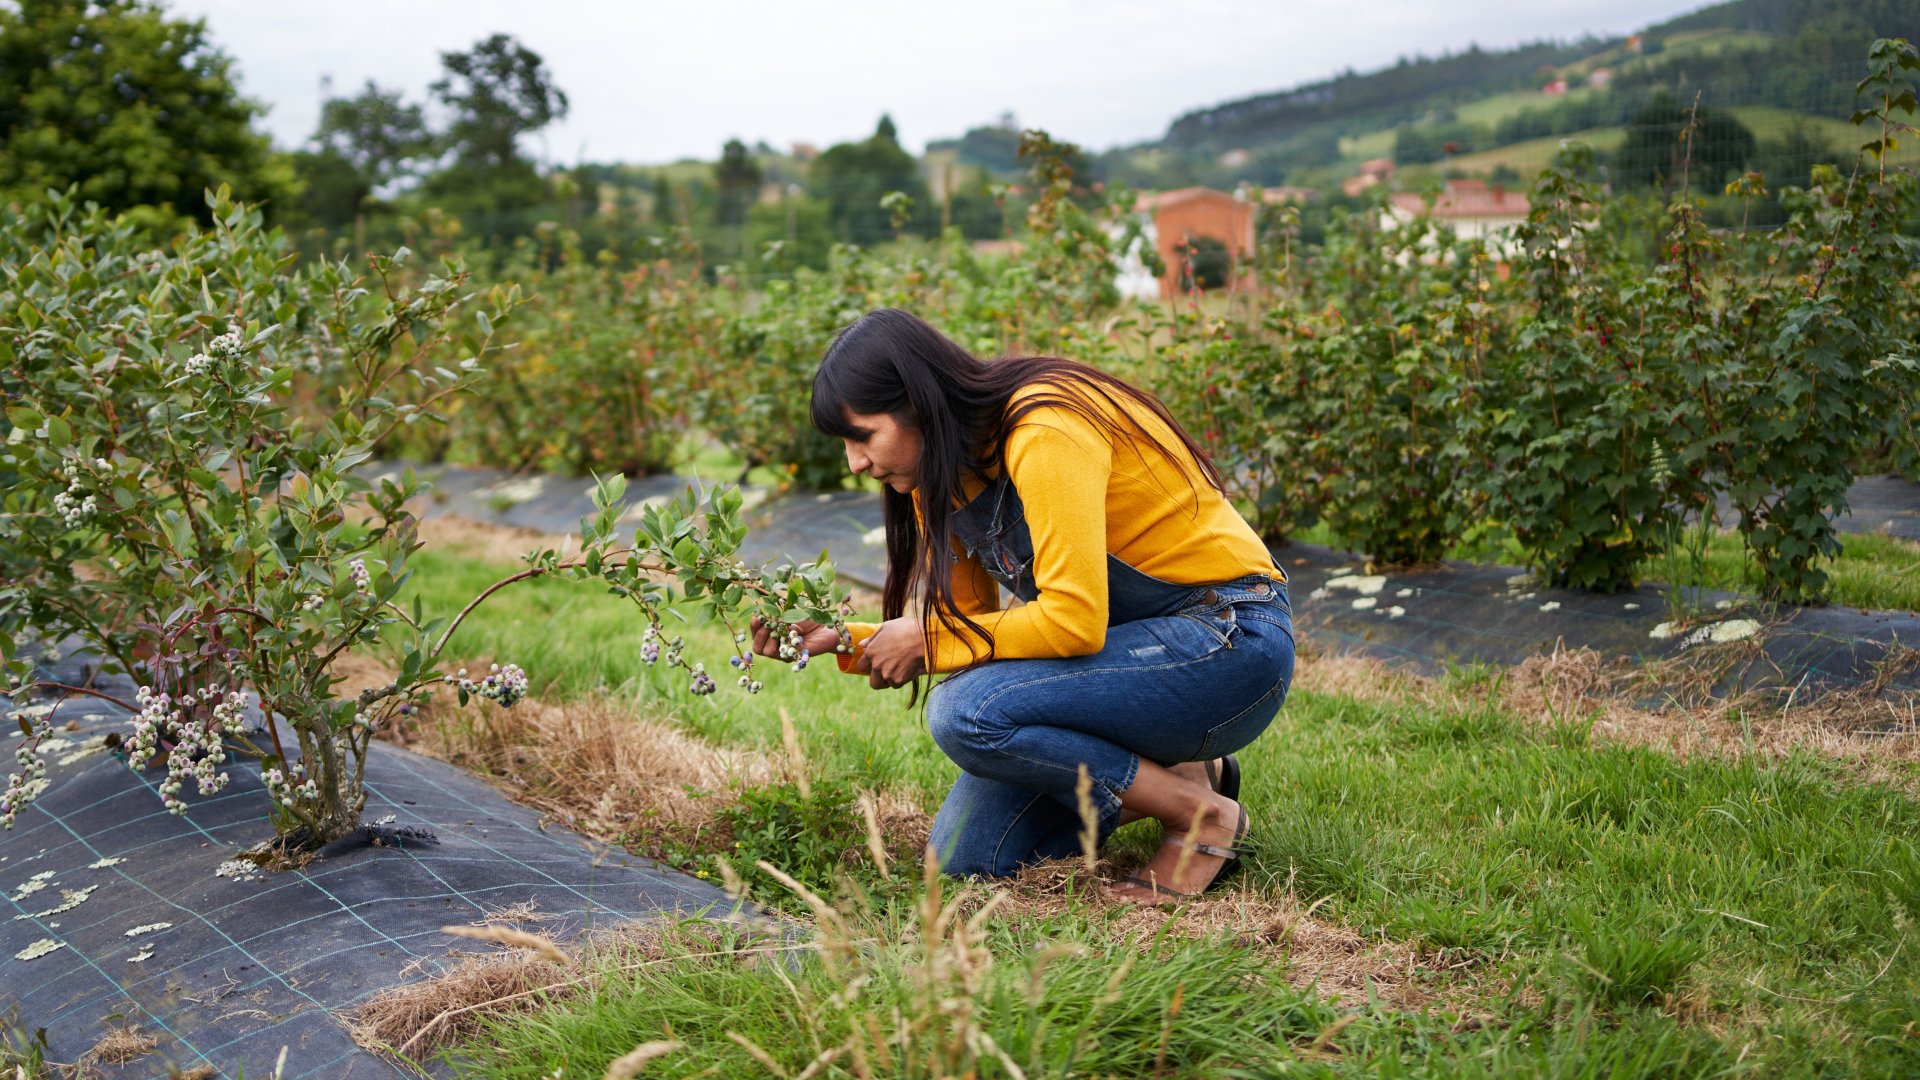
[(893, 362)]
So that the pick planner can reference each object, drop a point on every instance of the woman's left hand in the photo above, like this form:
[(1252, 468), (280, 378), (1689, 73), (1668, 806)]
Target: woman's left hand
[(896, 653)]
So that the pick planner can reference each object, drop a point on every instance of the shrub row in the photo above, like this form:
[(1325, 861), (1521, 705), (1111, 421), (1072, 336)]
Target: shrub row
[(1614, 370)]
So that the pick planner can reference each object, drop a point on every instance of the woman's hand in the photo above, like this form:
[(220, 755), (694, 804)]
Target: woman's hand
[(896, 654), (818, 639)]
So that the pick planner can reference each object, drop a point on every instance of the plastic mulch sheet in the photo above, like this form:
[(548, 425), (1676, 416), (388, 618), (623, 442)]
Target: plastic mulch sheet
[(1465, 613), (137, 915)]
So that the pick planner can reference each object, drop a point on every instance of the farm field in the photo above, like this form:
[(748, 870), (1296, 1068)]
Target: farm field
[(1523, 878), (238, 600)]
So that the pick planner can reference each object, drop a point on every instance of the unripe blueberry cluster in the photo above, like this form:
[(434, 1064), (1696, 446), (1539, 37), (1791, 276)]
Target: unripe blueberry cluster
[(226, 347), (650, 644), (230, 713), (74, 505), (285, 789), (25, 785), (794, 650), (357, 570), (223, 349), (703, 683), (156, 714), (505, 685)]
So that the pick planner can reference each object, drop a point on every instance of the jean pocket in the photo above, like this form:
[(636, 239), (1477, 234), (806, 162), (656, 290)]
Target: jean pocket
[(1193, 635), (1243, 727)]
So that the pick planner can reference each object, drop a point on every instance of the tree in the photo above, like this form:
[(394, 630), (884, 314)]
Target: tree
[(1791, 158), (737, 176), (497, 91), (854, 177), (362, 144), (1657, 154), (137, 109), (382, 137)]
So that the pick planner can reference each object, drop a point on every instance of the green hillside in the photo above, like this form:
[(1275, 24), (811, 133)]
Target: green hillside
[(1784, 69)]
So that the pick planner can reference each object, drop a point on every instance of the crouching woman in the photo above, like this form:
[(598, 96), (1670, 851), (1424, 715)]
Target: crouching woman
[(1153, 638)]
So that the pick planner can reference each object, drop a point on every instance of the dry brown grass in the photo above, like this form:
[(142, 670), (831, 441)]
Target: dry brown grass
[(503, 985), (419, 1018), (1581, 686), (1337, 960), (121, 1044)]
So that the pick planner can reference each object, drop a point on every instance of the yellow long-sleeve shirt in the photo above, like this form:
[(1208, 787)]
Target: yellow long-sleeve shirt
[(1086, 497)]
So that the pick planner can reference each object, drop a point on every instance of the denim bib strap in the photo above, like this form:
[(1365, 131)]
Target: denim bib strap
[(993, 527)]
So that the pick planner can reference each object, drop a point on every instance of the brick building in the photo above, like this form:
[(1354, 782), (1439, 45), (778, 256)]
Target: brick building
[(1174, 216)]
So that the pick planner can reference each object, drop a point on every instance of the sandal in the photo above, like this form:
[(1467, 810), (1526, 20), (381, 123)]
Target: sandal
[(1227, 780), (1220, 876)]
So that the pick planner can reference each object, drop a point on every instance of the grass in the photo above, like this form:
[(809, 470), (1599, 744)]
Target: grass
[(1538, 901), (1530, 156), (1872, 572)]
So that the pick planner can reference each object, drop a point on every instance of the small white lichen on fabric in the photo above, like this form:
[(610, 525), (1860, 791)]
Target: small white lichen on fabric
[(238, 870), (1404, 593), (1551, 605), (874, 537), (1364, 603), (1396, 611), (1732, 630), (149, 928), (1661, 632), (139, 956), (73, 897), (517, 490), (87, 749), (39, 949), (388, 820), (1630, 607), (102, 864), (32, 885), (1364, 584)]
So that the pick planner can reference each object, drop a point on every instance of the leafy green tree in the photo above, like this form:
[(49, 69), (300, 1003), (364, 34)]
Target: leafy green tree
[(496, 92), (854, 177), (738, 178), (363, 143), (1659, 153), (1791, 158), (135, 108)]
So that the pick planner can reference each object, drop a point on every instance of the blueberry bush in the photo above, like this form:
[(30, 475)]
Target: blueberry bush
[(165, 509)]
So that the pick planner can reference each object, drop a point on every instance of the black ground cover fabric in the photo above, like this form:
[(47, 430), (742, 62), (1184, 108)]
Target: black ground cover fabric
[(251, 963), (1463, 613)]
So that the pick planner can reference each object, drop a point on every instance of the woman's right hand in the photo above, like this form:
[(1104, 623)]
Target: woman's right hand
[(816, 638)]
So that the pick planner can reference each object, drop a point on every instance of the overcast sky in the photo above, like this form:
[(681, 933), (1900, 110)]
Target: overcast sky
[(653, 82)]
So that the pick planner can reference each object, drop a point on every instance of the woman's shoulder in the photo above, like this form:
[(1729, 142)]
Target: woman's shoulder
[(1062, 394)]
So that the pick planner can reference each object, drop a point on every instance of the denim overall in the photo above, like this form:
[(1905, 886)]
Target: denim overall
[(1187, 673)]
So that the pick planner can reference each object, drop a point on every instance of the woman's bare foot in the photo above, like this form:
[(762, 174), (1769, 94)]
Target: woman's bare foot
[(1177, 867), (1195, 771)]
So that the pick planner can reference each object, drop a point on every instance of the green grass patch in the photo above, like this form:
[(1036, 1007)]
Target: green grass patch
[(1528, 157), (1620, 895)]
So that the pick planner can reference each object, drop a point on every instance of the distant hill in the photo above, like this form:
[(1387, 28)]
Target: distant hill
[(1785, 68)]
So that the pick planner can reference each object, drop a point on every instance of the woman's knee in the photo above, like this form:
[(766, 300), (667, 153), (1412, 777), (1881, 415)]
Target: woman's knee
[(955, 719)]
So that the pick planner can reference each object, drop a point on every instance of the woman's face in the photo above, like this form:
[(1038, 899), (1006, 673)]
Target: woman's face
[(887, 449)]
